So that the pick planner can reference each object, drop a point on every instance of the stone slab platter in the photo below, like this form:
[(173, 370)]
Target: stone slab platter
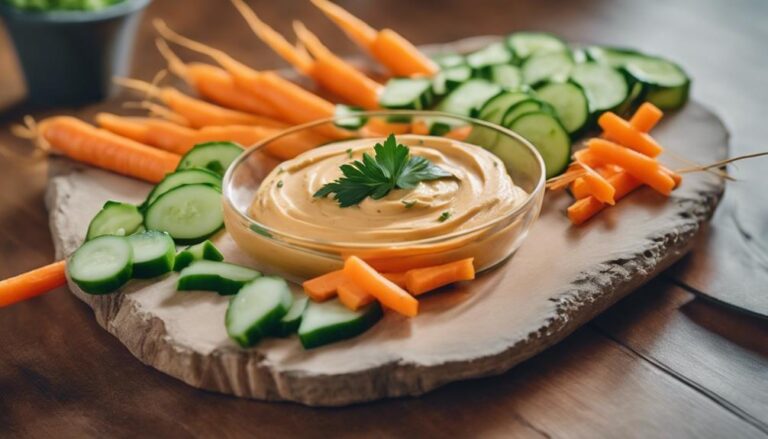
[(561, 277)]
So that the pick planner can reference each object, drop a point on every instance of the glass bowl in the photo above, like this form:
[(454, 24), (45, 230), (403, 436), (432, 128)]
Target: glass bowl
[(299, 256)]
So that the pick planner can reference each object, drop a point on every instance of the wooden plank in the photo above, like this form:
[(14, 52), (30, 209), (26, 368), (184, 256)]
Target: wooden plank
[(720, 353)]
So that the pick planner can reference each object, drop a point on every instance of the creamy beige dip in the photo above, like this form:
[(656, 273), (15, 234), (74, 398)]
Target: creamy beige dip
[(479, 192)]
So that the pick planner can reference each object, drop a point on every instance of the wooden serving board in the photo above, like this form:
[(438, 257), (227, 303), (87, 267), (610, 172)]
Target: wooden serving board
[(561, 277)]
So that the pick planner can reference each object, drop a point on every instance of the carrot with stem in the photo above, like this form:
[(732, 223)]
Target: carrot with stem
[(32, 283), (386, 46), (214, 83)]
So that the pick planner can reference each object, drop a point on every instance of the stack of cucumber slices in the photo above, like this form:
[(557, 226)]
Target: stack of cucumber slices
[(125, 242), (533, 83)]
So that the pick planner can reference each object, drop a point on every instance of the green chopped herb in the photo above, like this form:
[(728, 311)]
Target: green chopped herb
[(444, 216), (409, 204), (393, 167), (349, 152), (280, 183)]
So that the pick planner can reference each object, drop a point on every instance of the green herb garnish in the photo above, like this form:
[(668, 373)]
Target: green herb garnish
[(444, 216), (349, 152), (409, 204), (280, 183), (393, 167)]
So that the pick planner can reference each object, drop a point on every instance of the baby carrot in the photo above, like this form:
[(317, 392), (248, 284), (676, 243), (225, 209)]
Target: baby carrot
[(396, 278), (356, 29), (323, 287), (587, 207), (646, 117), (595, 184), (636, 164), (159, 133), (620, 131), (85, 143), (32, 283), (389, 294), (420, 280), (352, 296)]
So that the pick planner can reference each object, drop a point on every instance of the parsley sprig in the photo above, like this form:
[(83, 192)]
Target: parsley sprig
[(393, 167)]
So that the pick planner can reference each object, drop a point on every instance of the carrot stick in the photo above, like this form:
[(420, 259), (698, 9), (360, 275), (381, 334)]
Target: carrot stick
[(636, 164), (389, 294), (420, 280), (88, 144), (32, 283), (323, 287), (297, 58), (337, 75), (646, 117), (352, 296), (159, 133), (587, 207), (396, 278), (357, 30), (130, 127), (400, 56), (595, 184), (578, 187), (620, 131)]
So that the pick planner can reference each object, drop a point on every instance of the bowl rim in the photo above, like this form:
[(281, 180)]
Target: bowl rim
[(272, 233), (62, 16)]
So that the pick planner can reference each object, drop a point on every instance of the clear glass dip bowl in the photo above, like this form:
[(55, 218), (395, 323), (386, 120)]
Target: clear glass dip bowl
[(302, 257)]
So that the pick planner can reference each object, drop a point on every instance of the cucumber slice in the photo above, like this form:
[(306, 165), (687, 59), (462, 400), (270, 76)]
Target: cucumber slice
[(101, 265), (525, 44), (407, 93), (546, 133), (570, 103), (354, 121), (667, 85), (115, 218), (214, 156), (469, 97), (547, 67), (216, 276), (507, 76), (189, 213), (153, 253), (198, 252), (290, 322), (482, 60), (448, 79), (178, 178), (613, 56), (256, 310), (448, 60), (495, 109), (330, 321), (605, 87), (526, 106)]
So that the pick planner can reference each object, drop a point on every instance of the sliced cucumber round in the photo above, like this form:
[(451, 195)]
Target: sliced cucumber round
[(198, 252), (547, 67), (493, 111), (407, 93), (101, 265), (446, 80), (115, 218), (214, 156), (507, 76), (525, 44), (529, 105), (666, 83), (256, 310), (189, 213), (469, 97), (153, 253), (289, 323), (351, 117), (482, 60), (178, 178), (447, 60), (330, 321), (549, 137), (570, 103), (606, 88), (216, 276), (612, 56)]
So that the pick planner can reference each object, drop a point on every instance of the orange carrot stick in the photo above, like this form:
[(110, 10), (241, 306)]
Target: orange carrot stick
[(636, 164), (353, 296), (620, 131), (578, 187), (357, 30), (337, 75), (396, 278), (323, 287), (420, 280), (646, 117), (85, 143), (159, 133), (400, 56), (587, 207), (32, 283), (389, 294), (595, 184)]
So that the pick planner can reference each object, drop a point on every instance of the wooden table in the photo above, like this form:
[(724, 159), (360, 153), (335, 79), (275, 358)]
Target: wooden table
[(662, 363)]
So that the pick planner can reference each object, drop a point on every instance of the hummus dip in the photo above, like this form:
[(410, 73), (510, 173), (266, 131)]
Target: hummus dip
[(479, 192)]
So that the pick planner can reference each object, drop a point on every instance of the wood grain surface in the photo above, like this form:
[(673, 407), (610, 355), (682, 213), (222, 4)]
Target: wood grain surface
[(662, 363)]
